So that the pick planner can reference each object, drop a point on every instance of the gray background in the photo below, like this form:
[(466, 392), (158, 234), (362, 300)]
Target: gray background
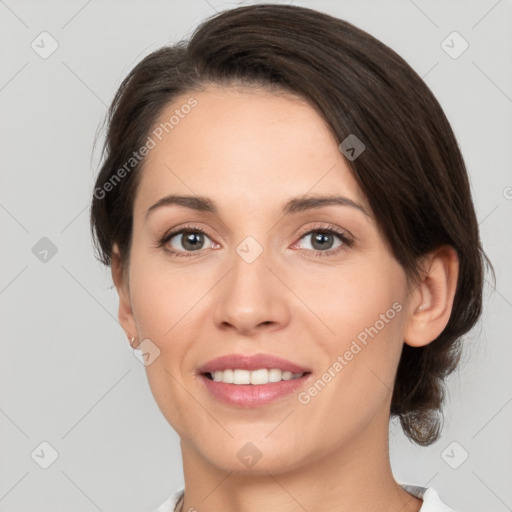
[(68, 377)]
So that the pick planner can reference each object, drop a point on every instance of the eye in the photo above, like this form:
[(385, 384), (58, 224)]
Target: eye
[(323, 240), (184, 242)]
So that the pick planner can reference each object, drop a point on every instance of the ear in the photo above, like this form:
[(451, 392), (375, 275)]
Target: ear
[(120, 278), (431, 302)]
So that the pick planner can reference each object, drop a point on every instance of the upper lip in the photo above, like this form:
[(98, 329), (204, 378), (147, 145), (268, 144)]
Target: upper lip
[(250, 362)]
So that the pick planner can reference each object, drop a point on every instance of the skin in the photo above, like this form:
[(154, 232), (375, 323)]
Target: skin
[(250, 151)]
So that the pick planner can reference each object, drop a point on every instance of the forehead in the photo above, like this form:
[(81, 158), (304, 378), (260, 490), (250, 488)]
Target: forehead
[(246, 145)]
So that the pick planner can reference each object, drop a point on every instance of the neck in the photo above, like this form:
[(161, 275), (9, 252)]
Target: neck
[(356, 476)]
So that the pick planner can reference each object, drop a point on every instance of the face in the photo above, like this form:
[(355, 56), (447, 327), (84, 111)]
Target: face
[(313, 285)]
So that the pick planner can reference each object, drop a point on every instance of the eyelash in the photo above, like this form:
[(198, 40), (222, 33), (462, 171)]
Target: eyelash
[(329, 228)]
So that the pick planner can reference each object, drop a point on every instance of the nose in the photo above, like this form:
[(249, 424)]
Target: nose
[(251, 299)]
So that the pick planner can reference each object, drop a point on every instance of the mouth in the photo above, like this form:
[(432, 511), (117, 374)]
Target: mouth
[(253, 389), (243, 380)]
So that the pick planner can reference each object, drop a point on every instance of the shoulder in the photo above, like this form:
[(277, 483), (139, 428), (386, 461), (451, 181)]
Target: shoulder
[(431, 500), (170, 503)]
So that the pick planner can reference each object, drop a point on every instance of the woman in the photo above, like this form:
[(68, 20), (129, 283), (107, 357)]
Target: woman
[(230, 160)]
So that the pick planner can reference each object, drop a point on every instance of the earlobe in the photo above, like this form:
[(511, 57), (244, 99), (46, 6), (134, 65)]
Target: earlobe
[(432, 301), (119, 277)]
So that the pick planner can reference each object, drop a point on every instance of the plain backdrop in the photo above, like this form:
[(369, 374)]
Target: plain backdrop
[(68, 377)]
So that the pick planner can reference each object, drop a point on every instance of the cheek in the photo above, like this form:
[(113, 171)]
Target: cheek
[(364, 309), (356, 298), (163, 298)]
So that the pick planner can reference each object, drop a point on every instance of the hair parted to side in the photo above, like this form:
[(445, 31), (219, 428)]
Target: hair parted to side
[(411, 172)]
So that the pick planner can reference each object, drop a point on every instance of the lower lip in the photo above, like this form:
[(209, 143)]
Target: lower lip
[(250, 395)]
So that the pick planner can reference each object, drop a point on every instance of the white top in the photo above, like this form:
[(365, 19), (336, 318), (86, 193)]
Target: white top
[(431, 500)]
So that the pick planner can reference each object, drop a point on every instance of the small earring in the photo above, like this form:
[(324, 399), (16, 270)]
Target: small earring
[(132, 339), (422, 307)]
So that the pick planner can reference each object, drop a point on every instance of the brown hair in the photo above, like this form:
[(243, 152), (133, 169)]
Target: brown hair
[(411, 172)]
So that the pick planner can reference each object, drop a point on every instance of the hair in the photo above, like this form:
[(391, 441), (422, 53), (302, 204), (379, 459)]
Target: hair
[(411, 171)]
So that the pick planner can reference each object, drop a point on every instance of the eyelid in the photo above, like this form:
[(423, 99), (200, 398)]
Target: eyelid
[(180, 229), (329, 228)]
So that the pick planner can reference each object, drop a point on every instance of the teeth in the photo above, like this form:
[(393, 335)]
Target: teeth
[(255, 377)]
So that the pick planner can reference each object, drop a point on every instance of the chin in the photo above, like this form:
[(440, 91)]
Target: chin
[(245, 457)]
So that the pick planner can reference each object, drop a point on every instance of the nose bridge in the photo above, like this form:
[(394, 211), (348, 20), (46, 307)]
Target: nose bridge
[(251, 295), (250, 271)]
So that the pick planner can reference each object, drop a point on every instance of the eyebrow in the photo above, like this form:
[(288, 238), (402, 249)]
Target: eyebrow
[(294, 205)]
